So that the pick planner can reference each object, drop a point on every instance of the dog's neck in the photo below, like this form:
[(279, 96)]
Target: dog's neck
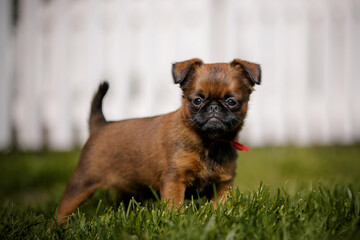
[(217, 151)]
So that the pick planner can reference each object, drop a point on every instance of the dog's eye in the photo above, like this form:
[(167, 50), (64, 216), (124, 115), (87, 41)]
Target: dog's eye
[(197, 101), (231, 102)]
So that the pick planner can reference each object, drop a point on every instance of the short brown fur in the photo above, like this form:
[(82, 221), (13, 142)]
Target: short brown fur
[(170, 153)]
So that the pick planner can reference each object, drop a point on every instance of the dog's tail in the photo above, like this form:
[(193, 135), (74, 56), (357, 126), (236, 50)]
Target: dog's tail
[(97, 118)]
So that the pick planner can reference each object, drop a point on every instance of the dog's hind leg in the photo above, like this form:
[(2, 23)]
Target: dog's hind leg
[(77, 191)]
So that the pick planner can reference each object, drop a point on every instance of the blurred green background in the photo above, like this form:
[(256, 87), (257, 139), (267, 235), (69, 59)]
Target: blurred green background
[(38, 179)]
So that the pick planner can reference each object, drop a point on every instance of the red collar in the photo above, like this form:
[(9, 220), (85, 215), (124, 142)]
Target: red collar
[(237, 145)]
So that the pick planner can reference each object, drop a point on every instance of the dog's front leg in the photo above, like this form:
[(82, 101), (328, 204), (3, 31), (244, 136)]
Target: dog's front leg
[(222, 191), (173, 192)]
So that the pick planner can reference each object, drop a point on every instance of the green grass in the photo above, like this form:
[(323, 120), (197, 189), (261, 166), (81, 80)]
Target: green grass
[(307, 193), (298, 167)]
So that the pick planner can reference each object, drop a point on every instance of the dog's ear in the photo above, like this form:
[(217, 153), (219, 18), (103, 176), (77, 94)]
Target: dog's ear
[(182, 70), (251, 70)]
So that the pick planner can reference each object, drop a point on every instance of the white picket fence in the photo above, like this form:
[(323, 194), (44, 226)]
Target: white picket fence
[(53, 59)]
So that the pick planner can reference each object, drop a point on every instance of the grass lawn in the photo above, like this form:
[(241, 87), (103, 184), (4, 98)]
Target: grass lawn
[(306, 193)]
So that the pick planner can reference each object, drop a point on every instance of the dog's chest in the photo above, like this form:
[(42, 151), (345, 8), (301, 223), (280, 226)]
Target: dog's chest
[(204, 181), (213, 169), (210, 166)]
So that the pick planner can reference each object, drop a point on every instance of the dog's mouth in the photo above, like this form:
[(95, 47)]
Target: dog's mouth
[(213, 120), (214, 124)]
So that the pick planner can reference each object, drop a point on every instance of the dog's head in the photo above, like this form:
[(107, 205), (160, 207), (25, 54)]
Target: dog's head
[(215, 96)]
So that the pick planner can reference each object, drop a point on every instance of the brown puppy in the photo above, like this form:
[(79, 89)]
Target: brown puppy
[(175, 154)]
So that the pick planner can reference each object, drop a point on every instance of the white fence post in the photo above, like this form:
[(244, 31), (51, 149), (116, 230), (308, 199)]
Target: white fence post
[(317, 83), (335, 72), (86, 61), (272, 119), (117, 57), (355, 69), (28, 62), (167, 19), (295, 71), (57, 88), (5, 73)]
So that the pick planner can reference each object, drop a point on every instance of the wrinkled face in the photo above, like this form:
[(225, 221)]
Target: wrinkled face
[(216, 99)]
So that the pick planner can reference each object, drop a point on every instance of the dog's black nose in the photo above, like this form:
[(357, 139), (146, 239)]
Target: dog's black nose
[(213, 108)]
